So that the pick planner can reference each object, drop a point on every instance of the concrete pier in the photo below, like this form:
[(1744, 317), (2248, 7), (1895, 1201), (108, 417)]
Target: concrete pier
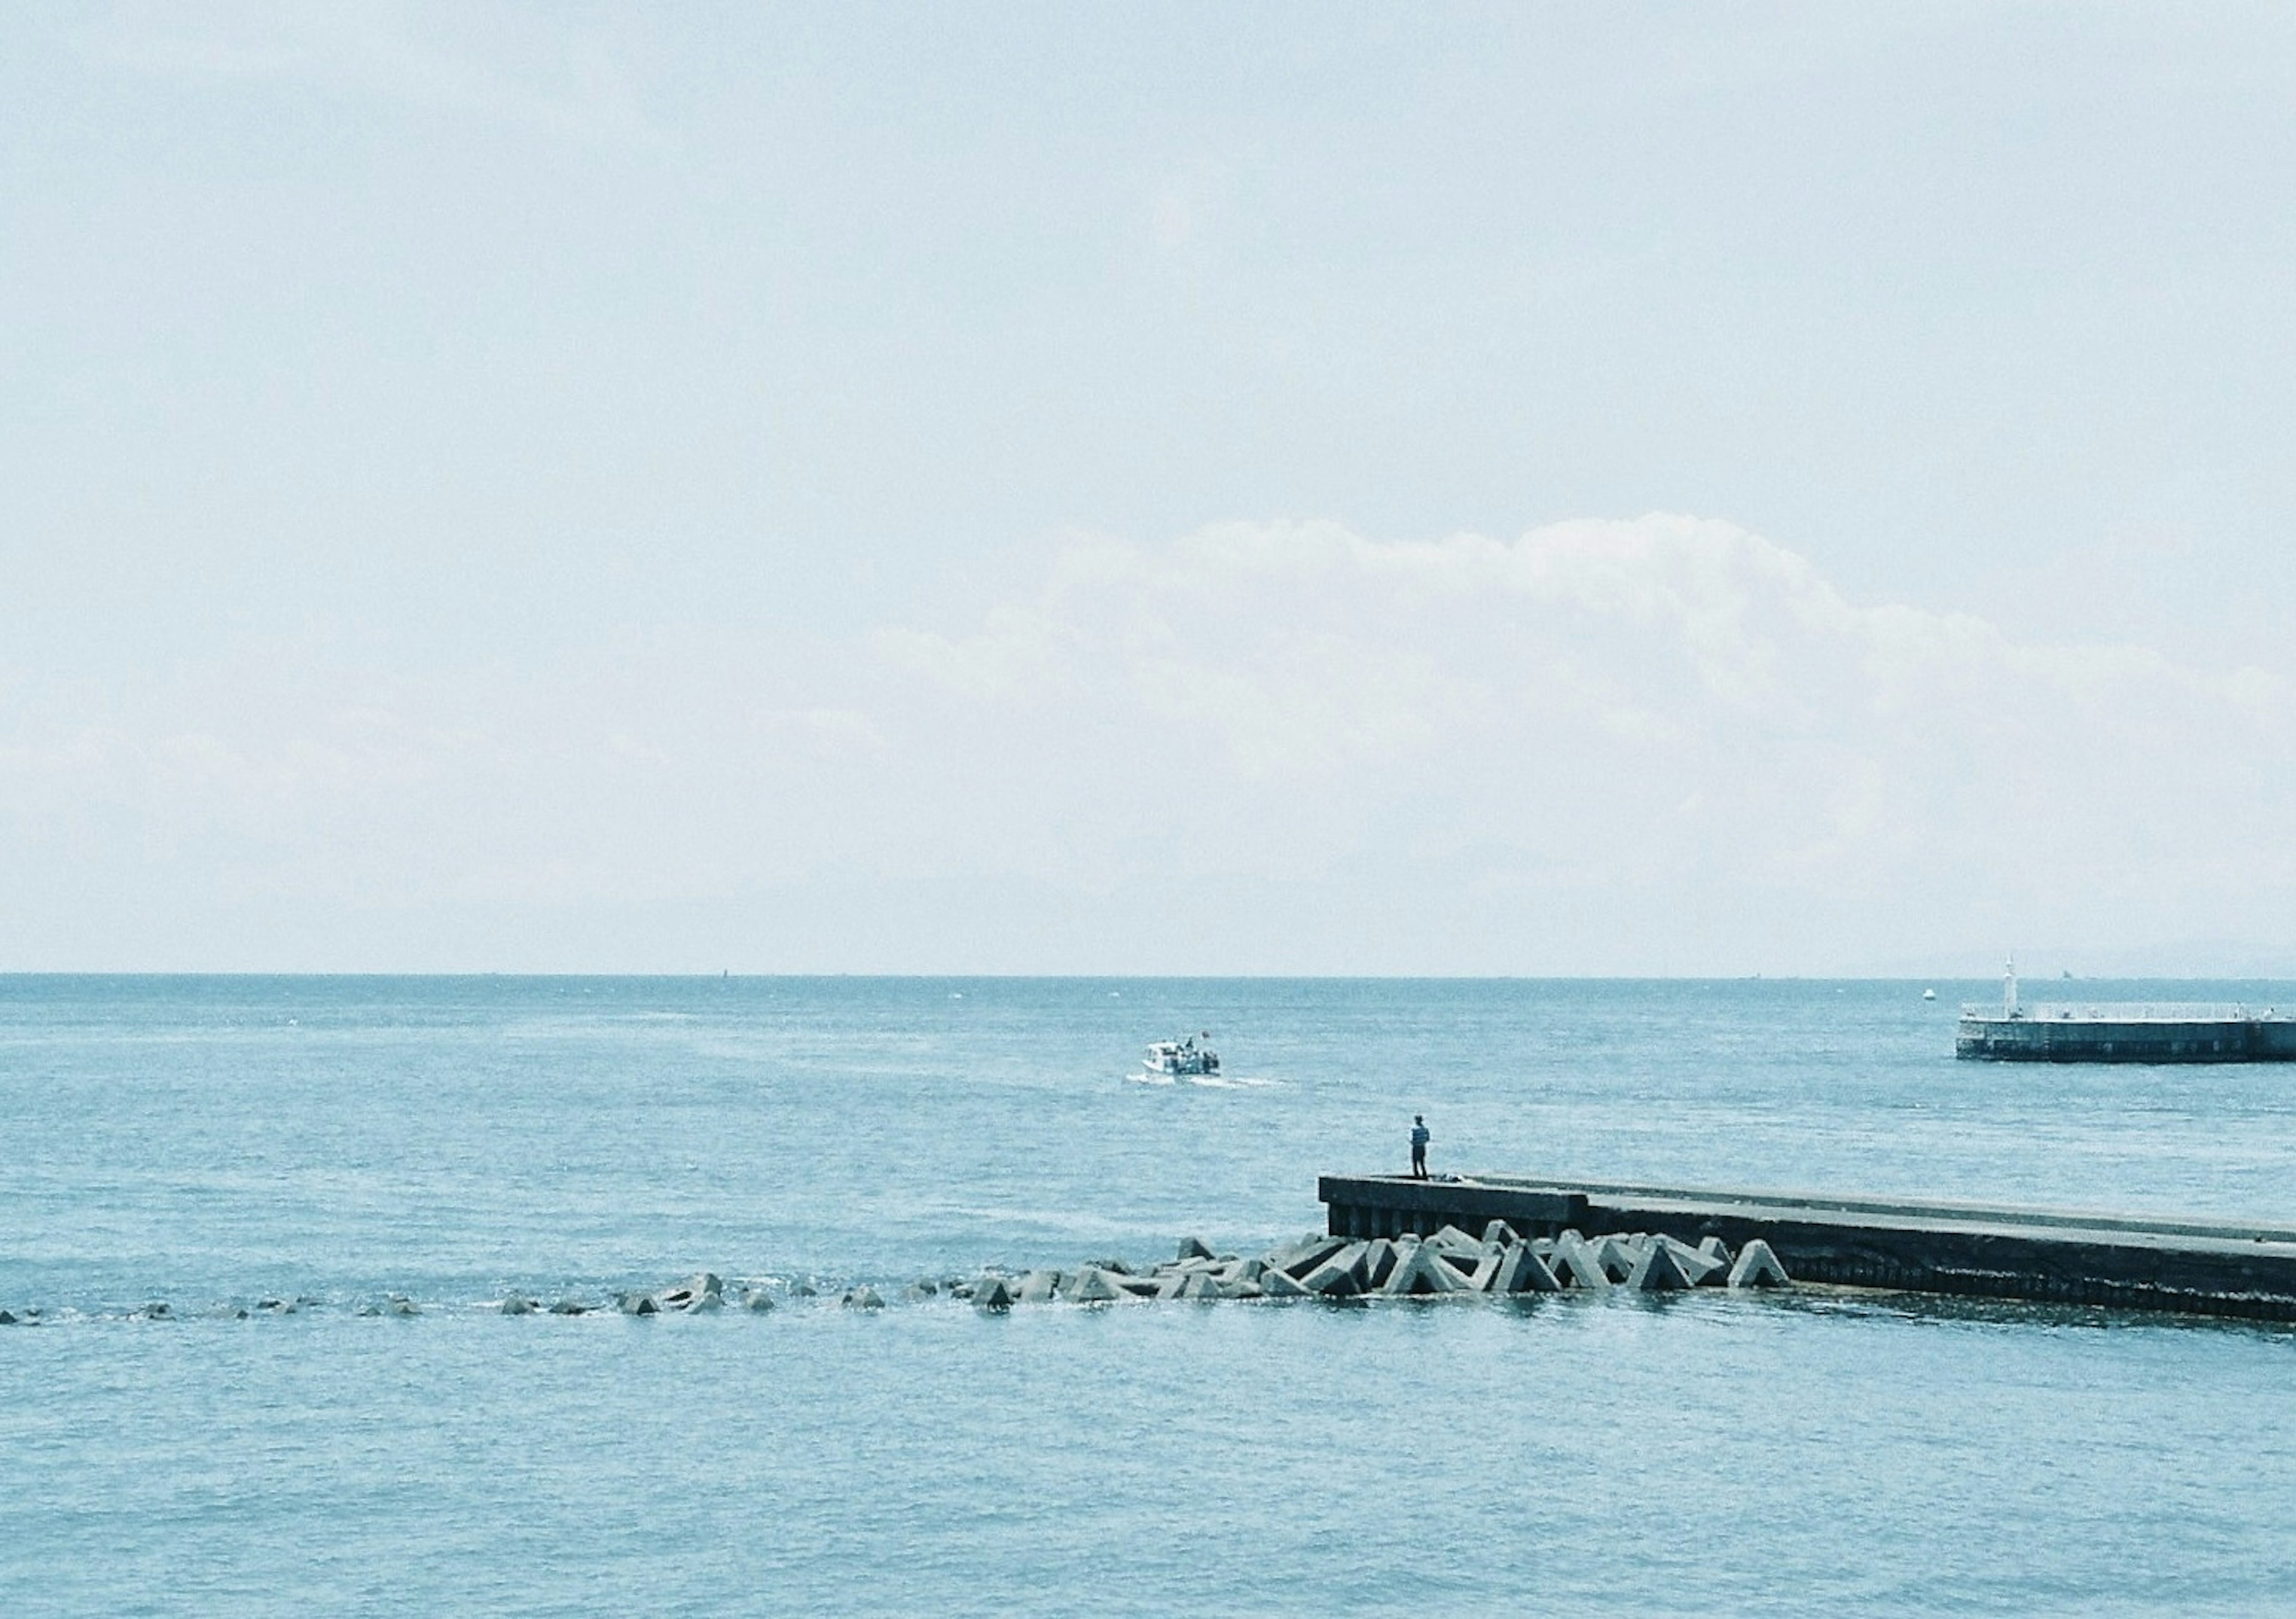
[(2126, 1034), (1904, 1245)]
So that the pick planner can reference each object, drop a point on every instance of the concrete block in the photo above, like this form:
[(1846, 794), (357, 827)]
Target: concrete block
[(1522, 1271), (1092, 1285), (1200, 1284), (1341, 1275), (570, 1307), (1247, 1269), (1038, 1286), (1498, 1234), (1575, 1263), (1702, 1270), (1617, 1256), (992, 1293), (1168, 1285), (1137, 1286), (1450, 1239), (863, 1297), (1715, 1249), (1423, 1272), (1757, 1266), (1482, 1278), (1380, 1259), (1461, 1265), (517, 1304), (1297, 1259), (1240, 1287), (1656, 1270), (757, 1301), (1190, 1248), (1277, 1283)]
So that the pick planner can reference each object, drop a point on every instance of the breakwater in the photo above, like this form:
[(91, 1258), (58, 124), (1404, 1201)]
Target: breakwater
[(1904, 1245), (2124, 1034)]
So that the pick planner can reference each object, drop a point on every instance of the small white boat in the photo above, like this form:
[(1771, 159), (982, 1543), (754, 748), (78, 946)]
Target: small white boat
[(1182, 1059)]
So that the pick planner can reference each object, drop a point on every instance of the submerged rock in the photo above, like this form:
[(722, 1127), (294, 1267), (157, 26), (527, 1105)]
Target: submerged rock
[(702, 1292), (570, 1307), (992, 1293), (518, 1304), (863, 1297)]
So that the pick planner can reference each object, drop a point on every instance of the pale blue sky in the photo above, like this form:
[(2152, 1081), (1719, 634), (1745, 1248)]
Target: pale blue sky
[(476, 483)]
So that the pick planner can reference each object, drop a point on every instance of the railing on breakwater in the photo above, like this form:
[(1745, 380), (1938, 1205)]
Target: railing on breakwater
[(2122, 1012)]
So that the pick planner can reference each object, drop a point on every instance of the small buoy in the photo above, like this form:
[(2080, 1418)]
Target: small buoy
[(1929, 994)]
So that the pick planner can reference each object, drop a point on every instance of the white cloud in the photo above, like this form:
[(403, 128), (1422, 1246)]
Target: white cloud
[(546, 77), (1628, 705), (1658, 745)]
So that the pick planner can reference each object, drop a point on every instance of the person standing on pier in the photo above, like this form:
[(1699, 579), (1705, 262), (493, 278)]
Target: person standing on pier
[(1419, 1139)]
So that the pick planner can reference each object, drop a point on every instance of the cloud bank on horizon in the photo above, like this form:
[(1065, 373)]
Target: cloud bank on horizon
[(1657, 744)]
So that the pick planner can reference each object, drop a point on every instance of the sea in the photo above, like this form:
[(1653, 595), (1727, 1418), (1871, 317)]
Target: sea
[(334, 1145)]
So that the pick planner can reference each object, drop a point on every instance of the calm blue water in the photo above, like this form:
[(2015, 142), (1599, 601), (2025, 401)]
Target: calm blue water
[(219, 1140)]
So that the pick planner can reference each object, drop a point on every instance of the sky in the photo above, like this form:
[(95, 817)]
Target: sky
[(1179, 488)]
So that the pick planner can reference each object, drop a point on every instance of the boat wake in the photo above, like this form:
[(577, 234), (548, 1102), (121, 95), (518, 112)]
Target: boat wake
[(1207, 1081)]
